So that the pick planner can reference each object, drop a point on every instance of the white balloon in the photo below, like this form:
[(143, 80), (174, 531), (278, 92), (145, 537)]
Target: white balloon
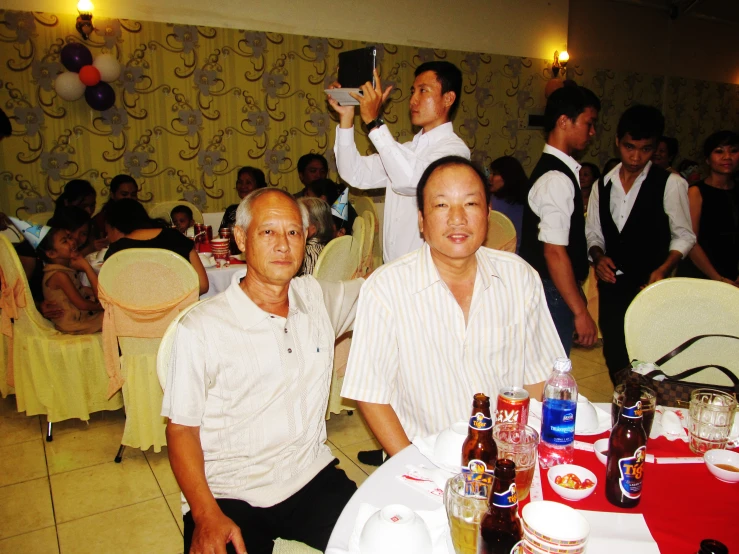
[(108, 66), (69, 86)]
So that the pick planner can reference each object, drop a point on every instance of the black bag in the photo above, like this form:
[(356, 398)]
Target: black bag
[(673, 390)]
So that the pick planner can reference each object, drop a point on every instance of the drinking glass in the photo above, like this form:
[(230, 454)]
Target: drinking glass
[(648, 404), (518, 442), (466, 501), (711, 418)]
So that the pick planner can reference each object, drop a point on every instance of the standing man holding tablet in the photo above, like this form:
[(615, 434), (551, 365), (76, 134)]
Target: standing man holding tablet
[(398, 167)]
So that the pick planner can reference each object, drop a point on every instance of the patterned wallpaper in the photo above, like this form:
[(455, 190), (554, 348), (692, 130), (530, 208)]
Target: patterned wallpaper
[(194, 104)]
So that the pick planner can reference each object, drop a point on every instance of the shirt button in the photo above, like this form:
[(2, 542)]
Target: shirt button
[(286, 329), (289, 350)]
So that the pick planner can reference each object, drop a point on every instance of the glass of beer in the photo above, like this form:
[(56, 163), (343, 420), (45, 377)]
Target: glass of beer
[(518, 442), (466, 501)]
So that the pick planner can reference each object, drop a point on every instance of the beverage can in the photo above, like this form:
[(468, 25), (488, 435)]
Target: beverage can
[(513, 406)]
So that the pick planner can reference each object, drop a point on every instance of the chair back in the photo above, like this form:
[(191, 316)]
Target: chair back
[(164, 354), (369, 242), (357, 246), (362, 204), (163, 210), (335, 262), (501, 233), (41, 218), (669, 312)]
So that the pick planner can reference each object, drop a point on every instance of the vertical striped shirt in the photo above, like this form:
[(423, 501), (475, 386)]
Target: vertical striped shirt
[(412, 350)]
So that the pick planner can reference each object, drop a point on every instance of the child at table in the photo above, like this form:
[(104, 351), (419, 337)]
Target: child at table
[(182, 220), (81, 312)]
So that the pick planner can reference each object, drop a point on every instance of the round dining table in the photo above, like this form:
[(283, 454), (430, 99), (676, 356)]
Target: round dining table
[(682, 503), (219, 278)]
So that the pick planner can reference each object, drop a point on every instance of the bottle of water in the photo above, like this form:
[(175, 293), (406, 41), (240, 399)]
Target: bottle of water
[(558, 416)]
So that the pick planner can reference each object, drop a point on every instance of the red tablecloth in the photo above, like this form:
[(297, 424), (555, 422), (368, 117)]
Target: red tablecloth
[(682, 503)]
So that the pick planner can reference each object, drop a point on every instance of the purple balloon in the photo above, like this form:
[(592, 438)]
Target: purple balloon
[(100, 97), (75, 56)]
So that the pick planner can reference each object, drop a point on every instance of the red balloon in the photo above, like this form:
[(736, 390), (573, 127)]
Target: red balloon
[(90, 75)]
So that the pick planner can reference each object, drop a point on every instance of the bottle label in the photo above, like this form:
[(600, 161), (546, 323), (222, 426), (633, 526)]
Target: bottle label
[(631, 469), (506, 499), (558, 422), (632, 412), (480, 422)]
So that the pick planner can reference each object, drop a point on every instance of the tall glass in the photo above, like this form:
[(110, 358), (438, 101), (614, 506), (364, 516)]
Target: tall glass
[(648, 404), (712, 414), (466, 501), (518, 442)]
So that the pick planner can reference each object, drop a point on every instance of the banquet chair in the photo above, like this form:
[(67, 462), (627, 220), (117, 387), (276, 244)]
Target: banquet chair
[(358, 233), (668, 313), (142, 291), (367, 262), (41, 218), (56, 374), (335, 263), (501, 233), (163, 209), (362, 204)]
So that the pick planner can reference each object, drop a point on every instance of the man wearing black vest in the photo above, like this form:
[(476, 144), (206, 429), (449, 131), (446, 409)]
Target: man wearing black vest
[(638, 226), (553, 230)]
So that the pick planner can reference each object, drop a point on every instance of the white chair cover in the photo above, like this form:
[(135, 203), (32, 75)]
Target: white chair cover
[(335, 262), (501, 233), (367, 263), (163, 210)]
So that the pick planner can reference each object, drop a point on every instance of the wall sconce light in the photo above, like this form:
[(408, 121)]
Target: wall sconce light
[(84, 19), (560, 63)]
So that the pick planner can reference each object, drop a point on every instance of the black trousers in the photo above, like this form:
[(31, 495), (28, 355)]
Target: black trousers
[(613, 301), (307, 516)]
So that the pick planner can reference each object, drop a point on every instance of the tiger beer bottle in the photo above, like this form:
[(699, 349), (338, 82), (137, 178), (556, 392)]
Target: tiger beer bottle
[(479, 451), (627, 450), (500, 527)]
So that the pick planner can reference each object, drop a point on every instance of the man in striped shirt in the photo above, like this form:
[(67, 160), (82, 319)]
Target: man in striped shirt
[(448, 320)]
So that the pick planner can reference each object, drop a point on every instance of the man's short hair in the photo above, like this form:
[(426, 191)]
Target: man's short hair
[(449, 76), (255, 173), (6, 129), (570, 101), (181, 209), (305, 159), (325, 187), (244, 215), (641, 122), (672, 147), (445, 162), (720, 138)]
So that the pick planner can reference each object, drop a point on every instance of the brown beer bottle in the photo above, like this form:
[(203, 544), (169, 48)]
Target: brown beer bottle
[(500, 527), (479, 451), (627, 451)]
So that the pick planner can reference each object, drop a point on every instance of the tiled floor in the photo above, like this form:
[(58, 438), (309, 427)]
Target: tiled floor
[(69, 495)]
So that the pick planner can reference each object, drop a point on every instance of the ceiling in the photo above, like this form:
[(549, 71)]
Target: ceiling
[(726, 11)]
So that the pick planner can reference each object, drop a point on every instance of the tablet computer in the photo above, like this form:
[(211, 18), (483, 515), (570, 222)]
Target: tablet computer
[(356, 67)]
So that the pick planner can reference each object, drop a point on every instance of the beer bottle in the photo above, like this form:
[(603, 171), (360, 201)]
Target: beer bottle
[(627, 450), (479, 451), (500, 527)]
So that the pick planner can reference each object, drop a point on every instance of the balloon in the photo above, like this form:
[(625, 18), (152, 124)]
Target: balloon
[(108, 66), (551, 86), (68, 86), (90, 75), (75, 56), (100, 97)]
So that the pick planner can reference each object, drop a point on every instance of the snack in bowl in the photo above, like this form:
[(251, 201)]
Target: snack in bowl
[(572, 482)]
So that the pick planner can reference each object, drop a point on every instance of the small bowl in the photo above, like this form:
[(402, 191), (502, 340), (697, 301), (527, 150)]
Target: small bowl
[(555, 524), (448, 445), (395, 529), (601, 450), (727, 457), (586, 418), (572, 494)]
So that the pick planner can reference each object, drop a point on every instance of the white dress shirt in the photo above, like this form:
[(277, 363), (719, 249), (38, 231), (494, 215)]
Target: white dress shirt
[(412, 349), (397, 168), (257, 385), (675, 201), (552, 199)]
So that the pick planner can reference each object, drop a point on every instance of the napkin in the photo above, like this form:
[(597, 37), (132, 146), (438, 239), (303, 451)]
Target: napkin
[(615, 533), (428, 481), (207, 259), (426, 445), (670, 423), (435, 520)]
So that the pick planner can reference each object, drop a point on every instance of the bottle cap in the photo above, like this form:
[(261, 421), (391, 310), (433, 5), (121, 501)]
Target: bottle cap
[(562, 364)]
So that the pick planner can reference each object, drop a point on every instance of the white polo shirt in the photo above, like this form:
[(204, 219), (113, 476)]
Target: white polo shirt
[(257, 385)]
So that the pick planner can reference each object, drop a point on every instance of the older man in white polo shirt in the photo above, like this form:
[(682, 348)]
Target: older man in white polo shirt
[(247, 390), (447, 321)]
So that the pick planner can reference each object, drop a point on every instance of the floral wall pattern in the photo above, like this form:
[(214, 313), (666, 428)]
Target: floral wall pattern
[(194, 104)]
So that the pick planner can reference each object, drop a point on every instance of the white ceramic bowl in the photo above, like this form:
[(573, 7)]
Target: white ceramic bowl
[(727, 457), (601, 450), (448, 446), (581, 472), (395, 529), (586, 418), (555, 524)]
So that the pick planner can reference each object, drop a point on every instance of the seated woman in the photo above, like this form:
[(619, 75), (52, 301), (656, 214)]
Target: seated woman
[(248, 180), (714, 211), (508, 186), (121, 186), (79, 193), (129, 226), (321, 230), (589, 174)]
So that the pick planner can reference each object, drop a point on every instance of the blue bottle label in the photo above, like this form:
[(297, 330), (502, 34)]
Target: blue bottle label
[(558, 422), (480, 422), (507, 499), (631, 469), (632, 412)]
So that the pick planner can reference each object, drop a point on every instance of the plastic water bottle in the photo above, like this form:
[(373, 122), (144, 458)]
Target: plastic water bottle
[(558, 416)]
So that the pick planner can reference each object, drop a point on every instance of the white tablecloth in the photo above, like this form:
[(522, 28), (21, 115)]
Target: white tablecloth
[(220, 278)]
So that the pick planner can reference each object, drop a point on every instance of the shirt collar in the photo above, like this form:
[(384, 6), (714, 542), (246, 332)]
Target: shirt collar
[(248, 314), (569, 161), (615, 176), (427, 273), (436, 134)]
